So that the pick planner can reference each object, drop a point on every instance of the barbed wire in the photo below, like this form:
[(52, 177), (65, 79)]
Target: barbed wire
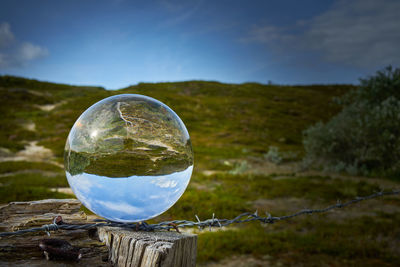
[(176, 224)]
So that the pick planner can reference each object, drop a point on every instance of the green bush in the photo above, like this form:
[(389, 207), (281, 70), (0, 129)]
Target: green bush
[(364, 138)]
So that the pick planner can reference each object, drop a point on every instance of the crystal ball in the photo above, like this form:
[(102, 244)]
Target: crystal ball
[(128, 158)]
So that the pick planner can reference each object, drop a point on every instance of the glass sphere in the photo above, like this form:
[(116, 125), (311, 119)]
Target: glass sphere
[(128, 158)]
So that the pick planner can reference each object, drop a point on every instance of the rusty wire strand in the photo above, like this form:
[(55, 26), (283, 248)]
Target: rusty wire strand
[(213, 222)]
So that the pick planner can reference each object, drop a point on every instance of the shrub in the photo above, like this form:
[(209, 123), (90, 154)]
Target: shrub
[(273, 155), (240, 168), (364, 138), (276, 156)]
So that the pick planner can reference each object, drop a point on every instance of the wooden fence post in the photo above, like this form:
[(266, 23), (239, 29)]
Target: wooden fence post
[(104, 247), (167, 249)]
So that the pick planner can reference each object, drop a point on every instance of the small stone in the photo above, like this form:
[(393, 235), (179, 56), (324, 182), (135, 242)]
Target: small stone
[(59, 249)]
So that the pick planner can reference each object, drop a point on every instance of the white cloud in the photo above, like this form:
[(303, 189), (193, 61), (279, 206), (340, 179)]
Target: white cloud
[(362, 33), (14, 53), (165, 182), (84, 182), (29, 51), (120, 207), (6, 36)]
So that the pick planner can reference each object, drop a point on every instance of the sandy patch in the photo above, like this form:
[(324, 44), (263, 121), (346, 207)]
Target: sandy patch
[(197, 231), (30, 126), (33, 153), (47, 107), (210, 172), (65, 190), (37, 93), (50, 107)]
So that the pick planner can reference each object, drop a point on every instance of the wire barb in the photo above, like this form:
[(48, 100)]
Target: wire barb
[(242, 218), (48, 228)]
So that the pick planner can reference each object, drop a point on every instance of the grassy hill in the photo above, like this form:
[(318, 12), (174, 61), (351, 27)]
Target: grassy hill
[(232, 127), (224, 121)]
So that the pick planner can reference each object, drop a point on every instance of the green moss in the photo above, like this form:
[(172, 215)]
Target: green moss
[(28, 193), (31, 186), (14, 166)]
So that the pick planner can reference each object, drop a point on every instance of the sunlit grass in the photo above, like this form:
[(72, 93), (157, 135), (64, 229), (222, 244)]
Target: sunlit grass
[(31, 186), (15, 166)]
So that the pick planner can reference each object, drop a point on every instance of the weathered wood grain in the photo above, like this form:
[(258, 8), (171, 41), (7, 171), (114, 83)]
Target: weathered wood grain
[(16, 215), (23, 250), (104, 246), (130, 248)]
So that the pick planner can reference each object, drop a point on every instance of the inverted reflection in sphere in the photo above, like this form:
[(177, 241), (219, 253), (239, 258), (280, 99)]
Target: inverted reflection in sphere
[(128, 158)]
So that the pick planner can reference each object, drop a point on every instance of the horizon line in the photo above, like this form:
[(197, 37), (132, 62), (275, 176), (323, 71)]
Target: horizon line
[(269, 83)]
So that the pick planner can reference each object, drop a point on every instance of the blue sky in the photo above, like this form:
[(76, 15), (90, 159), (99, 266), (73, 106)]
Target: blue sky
[(117, 43)]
